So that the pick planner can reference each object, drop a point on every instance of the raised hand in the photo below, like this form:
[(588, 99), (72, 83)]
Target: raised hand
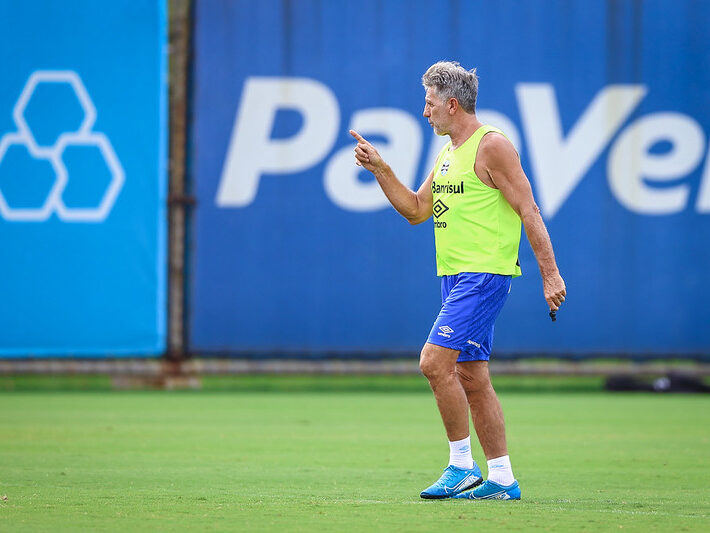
[(366, 155)]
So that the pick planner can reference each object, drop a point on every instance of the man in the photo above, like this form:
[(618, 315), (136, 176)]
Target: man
[(478, 194)]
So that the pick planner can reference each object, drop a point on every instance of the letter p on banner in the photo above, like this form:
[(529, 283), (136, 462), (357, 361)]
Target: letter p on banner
[(252, 152)]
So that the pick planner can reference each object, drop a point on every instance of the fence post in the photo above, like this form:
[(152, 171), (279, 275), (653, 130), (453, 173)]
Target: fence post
[(179, 50)]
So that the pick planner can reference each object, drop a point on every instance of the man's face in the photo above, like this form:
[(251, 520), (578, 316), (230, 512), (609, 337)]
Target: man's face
[(436, 112)]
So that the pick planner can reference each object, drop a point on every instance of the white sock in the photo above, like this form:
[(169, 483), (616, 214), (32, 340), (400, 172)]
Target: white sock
[(499, 470), (460, 453)]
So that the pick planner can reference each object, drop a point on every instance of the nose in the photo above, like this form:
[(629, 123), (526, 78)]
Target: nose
[(426, 112)]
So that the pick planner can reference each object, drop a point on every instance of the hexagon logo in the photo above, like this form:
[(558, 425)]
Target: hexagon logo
[(100, 212), (40, 213), (78, 135)]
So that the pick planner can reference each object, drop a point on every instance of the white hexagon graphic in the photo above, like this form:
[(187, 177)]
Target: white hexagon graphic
[(99, 213), (39, 213), (53, 76), (84, 136)]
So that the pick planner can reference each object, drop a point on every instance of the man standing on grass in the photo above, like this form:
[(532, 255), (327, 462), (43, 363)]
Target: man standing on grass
[(478, 194)]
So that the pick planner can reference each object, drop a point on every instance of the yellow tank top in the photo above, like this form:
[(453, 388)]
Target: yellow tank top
[(475, 228)]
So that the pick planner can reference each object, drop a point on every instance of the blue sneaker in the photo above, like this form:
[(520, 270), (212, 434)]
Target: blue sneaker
[(491, 490), (453, 481)]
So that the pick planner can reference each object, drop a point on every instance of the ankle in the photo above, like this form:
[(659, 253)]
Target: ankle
[(500, 470), (460, 453)]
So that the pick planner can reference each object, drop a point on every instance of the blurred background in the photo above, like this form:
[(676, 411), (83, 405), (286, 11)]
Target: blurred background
[(178, 195)]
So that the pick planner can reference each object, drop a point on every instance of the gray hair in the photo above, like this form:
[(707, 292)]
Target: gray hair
[(451, 80)]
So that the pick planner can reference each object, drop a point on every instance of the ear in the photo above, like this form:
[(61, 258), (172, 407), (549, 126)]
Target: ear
[(453, 104)]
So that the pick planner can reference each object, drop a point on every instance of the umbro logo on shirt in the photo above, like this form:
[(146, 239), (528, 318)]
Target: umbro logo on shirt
[(439, 208)]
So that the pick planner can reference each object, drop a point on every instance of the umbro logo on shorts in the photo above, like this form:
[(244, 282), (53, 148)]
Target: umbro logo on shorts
[(445, 331)]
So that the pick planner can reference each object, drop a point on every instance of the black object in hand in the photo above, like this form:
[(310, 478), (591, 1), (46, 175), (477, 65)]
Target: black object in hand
[(553, 315)]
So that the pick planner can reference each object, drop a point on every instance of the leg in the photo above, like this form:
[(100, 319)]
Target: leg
[(438, 364), (486, 411)]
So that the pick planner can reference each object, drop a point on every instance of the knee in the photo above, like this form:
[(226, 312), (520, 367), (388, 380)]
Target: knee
[(427, 367), (433, 368)]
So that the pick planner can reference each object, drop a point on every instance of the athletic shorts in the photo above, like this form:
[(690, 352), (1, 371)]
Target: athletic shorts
[(471, 302)]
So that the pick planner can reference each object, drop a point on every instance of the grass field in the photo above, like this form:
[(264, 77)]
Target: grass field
[(271, 454)]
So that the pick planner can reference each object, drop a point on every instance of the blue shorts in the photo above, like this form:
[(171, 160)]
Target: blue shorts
[(471, 303)]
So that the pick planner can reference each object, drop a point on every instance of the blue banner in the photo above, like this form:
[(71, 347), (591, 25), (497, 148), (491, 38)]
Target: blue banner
[(296, 250), (82, 178)]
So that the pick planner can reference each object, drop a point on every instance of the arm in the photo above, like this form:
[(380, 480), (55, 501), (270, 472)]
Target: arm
[(414, 206), (499, 161)]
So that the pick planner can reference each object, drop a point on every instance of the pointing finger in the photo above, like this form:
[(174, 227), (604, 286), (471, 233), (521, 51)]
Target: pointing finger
[(357, 136)]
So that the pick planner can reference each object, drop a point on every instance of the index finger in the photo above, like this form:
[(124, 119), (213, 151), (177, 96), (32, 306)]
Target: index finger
[(357, 136)]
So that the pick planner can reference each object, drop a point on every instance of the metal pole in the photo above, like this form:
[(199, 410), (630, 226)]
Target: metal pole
[(180, 26)]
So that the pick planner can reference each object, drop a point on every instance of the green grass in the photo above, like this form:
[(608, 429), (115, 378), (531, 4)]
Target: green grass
[(245, 459), (307, 383)]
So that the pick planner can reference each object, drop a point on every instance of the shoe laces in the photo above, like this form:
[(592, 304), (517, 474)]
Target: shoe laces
[(449, 474)]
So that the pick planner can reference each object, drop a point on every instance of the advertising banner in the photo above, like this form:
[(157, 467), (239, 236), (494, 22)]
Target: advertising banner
[(82, 178), (297, 251)]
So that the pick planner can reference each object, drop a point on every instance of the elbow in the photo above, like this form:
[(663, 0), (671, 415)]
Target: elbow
[(416, 219), (416, 213), (412, 219)]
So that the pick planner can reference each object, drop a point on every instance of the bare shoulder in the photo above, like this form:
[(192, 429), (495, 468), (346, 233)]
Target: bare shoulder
[(495, 150), (499, 158)]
